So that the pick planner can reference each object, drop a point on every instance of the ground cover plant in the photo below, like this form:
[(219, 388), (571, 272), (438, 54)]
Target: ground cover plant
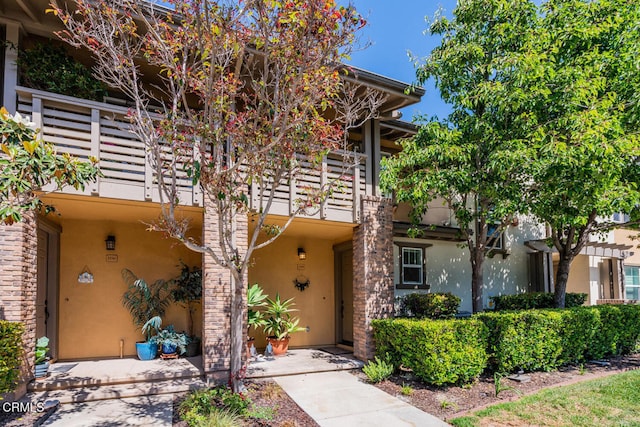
[(610, 401)]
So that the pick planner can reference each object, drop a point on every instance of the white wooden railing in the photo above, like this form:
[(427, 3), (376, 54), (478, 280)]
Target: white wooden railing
[(86, 128)]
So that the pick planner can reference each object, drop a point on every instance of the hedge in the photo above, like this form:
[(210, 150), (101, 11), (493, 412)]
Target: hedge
[(438, 351), (535, 300), (457, 351), (10, 354), (431, 305)]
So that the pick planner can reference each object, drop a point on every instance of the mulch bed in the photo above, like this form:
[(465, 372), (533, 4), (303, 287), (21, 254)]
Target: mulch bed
[(263, 393), (452, 402)]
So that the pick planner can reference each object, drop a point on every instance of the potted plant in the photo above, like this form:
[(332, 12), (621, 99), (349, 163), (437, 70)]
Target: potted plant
[(279, 324), (145, 302), (255, 298), (170, 341), (147, 350), (187, 291), (42, 361)]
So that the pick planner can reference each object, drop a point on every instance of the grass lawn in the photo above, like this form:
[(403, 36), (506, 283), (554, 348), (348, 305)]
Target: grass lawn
[(610, 401)]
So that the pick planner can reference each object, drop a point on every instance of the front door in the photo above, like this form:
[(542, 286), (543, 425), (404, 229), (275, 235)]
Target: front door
[(47, 292), (344, 294)]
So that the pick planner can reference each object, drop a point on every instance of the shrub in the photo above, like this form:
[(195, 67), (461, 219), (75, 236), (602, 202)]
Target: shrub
[(535, 300), (438, 351), (10, 354), (378, 370), (529, 340), (432, 306), (200, 406), (579, 326)]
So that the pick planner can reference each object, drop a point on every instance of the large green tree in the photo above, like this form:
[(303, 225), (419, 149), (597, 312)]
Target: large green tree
[(469, 158), (583, 161)]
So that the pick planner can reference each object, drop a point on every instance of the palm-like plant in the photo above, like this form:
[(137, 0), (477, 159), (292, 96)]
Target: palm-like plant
[(145, 301), (255, 298), (279, 322)]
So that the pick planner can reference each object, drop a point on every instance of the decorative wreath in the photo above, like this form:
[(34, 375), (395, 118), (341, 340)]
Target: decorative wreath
[(302, 283)]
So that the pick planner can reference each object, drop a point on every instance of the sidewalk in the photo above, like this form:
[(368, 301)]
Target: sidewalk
[(340, 399)]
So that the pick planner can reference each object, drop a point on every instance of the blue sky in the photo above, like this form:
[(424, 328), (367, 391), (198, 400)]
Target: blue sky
[(395, 27)]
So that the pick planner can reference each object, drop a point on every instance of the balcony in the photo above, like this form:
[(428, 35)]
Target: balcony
[(86, 128)]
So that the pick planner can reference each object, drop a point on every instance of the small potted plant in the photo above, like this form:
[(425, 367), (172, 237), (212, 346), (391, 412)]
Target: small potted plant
[(171, 342), (148, 350), (255, 298), (279, 324), (42, 361)]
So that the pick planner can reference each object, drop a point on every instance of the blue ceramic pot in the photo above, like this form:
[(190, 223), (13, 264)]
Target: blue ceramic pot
[(146, 350), (168, 348)]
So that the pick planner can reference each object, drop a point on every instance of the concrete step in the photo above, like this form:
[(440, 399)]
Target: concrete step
[(91, 393), (69, 375)]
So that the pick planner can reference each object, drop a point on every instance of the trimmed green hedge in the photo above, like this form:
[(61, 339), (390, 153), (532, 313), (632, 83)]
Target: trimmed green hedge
[(10, 354), (457, 351), (438, 351), (535, 300), (431, 305)]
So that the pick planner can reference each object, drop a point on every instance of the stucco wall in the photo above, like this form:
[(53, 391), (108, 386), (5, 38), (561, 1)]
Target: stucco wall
[(92, 319), (276, 266), (448, 268)]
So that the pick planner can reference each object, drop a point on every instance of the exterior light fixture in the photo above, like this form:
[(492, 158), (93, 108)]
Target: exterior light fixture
[(302, 254), (110, 243)]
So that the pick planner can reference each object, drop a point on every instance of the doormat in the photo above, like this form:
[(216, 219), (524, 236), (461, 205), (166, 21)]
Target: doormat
[(335, 350), (62, 368)]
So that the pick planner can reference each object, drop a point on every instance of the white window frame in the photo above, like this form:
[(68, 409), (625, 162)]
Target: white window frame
[(627, 276), (421, 265)]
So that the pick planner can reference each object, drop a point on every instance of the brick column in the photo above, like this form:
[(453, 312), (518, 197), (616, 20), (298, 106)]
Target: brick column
[(19, 284), (216, 298), (373, 291)]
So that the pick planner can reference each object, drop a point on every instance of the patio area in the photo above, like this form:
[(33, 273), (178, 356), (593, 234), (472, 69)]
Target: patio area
[(80, 381)]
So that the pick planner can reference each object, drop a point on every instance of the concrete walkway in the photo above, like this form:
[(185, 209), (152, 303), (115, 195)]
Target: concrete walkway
[(341, 399)]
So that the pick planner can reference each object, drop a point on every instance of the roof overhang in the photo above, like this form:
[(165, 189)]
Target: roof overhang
[(601, 249), (429, 231)]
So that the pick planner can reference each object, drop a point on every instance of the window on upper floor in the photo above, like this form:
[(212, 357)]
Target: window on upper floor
[(632, 282), (494, 240), (409, 266), (620, 217)]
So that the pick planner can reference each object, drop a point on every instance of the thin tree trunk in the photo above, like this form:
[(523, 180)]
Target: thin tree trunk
[(238, 338), (477, 279), (562, 277)]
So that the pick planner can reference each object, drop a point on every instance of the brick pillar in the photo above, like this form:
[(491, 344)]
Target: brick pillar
[(19, 284), (373, 291), (216, 298)]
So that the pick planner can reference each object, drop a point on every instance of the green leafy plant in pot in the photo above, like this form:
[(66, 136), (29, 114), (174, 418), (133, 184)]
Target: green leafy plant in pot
[(170, 341), (279, 323), (255, 298), (187, 290), (42, 361), (145, 302)]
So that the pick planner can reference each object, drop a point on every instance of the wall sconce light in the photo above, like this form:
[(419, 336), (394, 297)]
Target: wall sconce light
[(302, 254), (110, 243)]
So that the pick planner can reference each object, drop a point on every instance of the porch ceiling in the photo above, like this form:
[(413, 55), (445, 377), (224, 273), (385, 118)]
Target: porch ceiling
[(88, 208), (313, 228), (603, 249)]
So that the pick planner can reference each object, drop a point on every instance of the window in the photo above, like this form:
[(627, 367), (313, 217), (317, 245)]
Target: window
[(494, 241), (410, 267), (632, 282), (620, 218)]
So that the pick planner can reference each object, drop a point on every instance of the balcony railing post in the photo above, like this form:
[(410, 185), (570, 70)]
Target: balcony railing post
[(323, 183), (148, 175), (196, 190), (95, 145), (292, 192), (36, 113), (355, 187)]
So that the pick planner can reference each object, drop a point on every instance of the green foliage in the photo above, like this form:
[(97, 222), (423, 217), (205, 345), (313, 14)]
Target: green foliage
[(406, 390), (378, 370), (169, 336), (499, 387), (438, 351), (202, 407), (535, 300), (187, 289), (431, 305), (42, 347), (145, 301), (279, 322), (49, 67), (27, 164), (255, 298), (11, 351)]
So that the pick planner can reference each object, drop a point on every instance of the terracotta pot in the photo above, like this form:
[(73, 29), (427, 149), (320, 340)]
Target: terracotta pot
[(279, 346)]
